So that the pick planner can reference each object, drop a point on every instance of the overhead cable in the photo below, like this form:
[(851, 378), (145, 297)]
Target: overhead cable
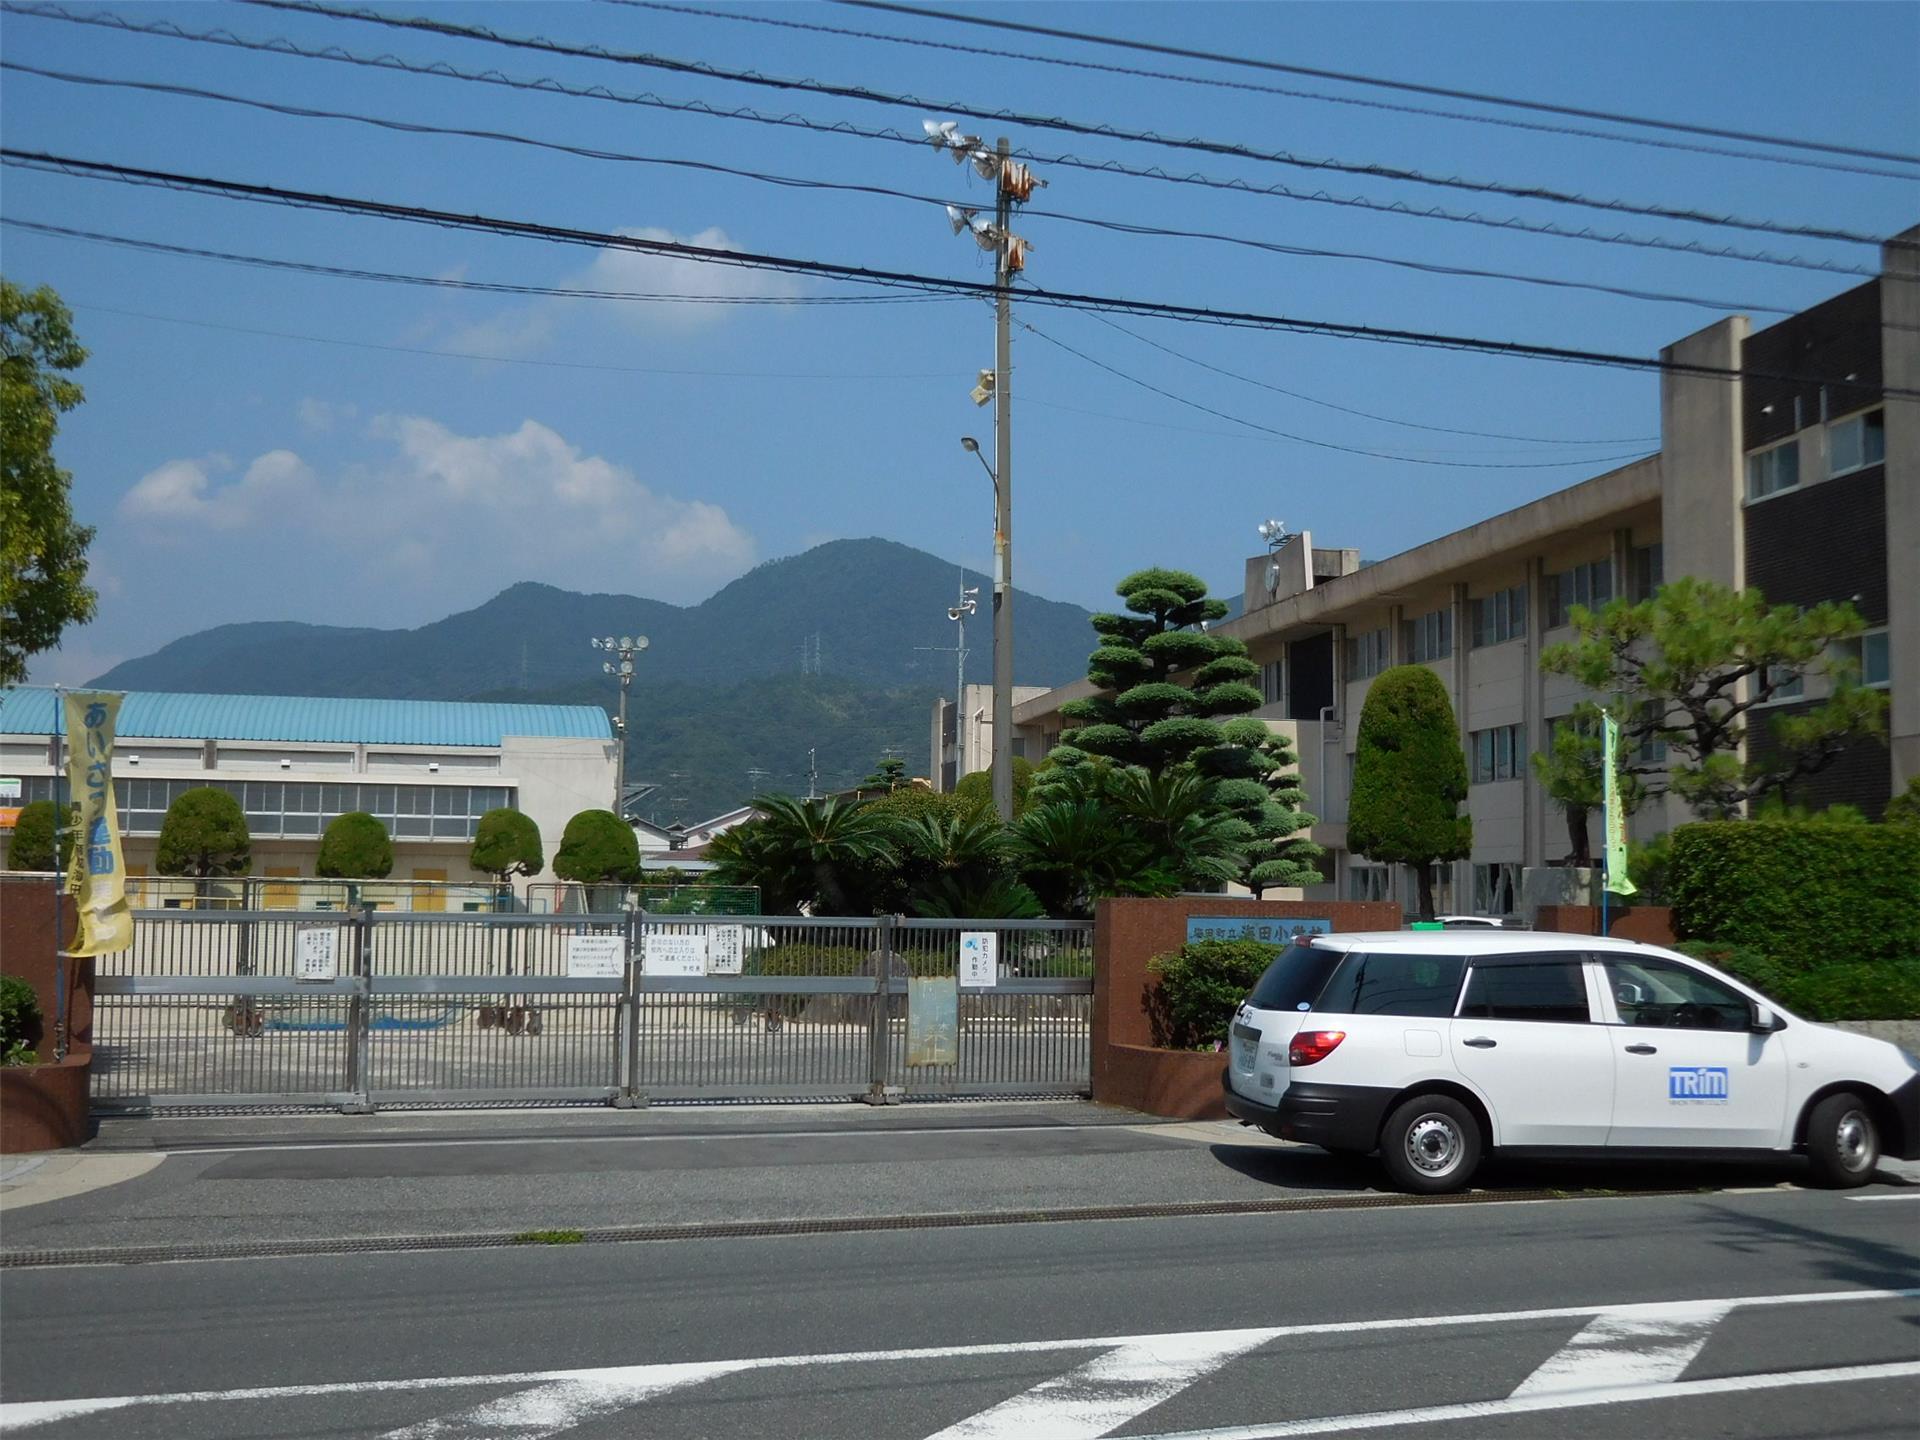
[(589, 152), (1404, 458), (1441, 91), (833, 270), (281, 45), (867, 94), (1254, 87)]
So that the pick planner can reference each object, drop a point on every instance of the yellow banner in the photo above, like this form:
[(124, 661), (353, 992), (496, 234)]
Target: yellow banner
[(96, 874)]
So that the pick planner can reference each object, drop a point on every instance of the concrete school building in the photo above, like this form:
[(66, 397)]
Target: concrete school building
[(1807, 492), (428, 769)]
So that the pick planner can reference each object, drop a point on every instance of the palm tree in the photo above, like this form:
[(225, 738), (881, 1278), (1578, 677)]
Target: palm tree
[(1073, 852), (1177, 816), (825, 841), (750, 855)]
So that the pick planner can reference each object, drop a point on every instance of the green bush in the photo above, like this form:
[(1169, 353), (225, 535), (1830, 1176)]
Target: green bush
[(1809, 895), (19, 1021), (1843, 990), (355, 847), (1756, 967), (1201, 985)]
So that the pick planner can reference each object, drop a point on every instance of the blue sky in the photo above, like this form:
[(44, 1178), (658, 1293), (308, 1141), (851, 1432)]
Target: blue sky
[(661, 449)]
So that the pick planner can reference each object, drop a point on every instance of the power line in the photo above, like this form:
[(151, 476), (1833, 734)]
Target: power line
[(448, 282), (1398, 457), (1254, 87), (193, 252), (1233, 149), (1440, 91), (745, 259), (1368, 414), (410, 127), (281, 45)]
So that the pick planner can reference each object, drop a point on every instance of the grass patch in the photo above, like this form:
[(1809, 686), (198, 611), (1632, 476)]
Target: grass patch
[(549, 1237)]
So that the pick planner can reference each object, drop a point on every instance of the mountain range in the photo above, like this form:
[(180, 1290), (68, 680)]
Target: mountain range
[(840, 649)]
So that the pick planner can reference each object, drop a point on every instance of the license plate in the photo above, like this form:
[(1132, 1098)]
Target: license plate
[(1246, 1046)]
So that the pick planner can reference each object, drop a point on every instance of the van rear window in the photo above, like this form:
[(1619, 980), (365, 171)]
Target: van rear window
[(1295, 978), (1393, 984)]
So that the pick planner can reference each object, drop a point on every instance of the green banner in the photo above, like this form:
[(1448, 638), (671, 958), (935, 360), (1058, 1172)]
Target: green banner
[(1616, 811)]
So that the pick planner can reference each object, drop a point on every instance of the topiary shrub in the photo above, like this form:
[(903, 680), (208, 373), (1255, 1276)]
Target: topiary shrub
[(32, 844), (597, 847), (19, 1021), (1409, 777), (1201, 985), (355, 847), (1809, 895)]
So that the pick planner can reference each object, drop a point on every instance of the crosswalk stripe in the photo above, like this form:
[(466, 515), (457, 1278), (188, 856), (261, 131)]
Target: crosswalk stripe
[(560, 1405), (1534, 1404), (1643, 1344), (1108, 1391)]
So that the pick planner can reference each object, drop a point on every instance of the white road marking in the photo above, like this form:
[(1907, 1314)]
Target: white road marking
[(1109, 1390), (1634, 1345), (1533, 1404), (562, 1404), (1901, 1195), (21, 1414)]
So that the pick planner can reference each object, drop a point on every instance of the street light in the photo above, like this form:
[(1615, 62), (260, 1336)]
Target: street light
[(626, 647)]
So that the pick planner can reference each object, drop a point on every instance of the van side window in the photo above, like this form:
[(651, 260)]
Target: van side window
[(1393, 984), (1553, 990), (1677, 997)]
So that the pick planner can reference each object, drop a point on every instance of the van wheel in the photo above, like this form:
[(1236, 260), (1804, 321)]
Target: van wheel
[(1843, 1142), (1431, 1144)]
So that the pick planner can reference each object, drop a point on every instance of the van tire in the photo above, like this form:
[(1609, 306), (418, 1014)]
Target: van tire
[(1431, 1144), (1843, 1142)]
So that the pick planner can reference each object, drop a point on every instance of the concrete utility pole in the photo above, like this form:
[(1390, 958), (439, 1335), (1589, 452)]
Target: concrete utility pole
[(627, 646), (1003, 492)]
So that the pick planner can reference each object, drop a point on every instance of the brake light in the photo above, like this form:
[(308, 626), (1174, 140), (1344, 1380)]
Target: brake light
[(1310, 1047)]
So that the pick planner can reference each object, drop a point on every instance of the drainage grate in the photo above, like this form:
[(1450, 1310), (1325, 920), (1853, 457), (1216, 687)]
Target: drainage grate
[(766, 1229)]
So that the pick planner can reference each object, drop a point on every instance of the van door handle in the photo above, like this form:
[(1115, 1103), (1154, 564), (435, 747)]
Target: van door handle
[(1480, 1042), (1642, 1050)]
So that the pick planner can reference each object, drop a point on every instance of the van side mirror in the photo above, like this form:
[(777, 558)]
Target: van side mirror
[(1763, 1018)]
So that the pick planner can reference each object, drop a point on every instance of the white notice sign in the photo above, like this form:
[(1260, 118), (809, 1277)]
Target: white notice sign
[(596, 957), (726, 949), (979, 959), (680, 955), (9, 787), (316, 953)]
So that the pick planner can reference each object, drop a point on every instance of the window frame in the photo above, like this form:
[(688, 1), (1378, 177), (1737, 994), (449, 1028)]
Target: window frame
[(1858, 420), (1790, 694), (1573, 960), (1858, 647), (1610, 1005), (1762, 457)]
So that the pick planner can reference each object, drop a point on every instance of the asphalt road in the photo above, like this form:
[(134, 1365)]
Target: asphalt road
[(1593, 1317)]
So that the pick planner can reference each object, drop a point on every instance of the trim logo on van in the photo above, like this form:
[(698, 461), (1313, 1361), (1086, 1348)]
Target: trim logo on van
[(1698, 1082)]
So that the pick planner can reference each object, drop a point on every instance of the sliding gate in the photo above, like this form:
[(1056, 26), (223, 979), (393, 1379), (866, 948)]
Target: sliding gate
[(367, 1009)]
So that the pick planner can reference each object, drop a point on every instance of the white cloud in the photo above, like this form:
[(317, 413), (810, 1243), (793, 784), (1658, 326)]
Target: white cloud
[(184, 490), (436, 509), (321, 416), (526, 328)]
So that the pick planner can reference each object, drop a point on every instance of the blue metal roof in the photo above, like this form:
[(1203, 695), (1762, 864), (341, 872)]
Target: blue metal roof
[(153, 715)]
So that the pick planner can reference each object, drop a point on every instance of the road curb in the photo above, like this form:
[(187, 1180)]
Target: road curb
[(767, 1229)]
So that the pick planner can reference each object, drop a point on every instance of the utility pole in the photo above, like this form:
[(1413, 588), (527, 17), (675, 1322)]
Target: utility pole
[(627, 646), (813, 776), (1003, 491)]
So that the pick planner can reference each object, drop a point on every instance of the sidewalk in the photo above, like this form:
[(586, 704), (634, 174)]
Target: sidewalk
[(268, 1179)]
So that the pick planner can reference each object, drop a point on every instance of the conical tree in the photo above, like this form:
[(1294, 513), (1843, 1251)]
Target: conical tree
[(1409, 777)]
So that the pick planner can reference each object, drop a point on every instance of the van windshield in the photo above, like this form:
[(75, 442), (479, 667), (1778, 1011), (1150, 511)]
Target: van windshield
[(1295, 978)]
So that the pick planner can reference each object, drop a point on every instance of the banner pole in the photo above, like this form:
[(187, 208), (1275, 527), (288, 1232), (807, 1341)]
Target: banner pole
[(58, 733)]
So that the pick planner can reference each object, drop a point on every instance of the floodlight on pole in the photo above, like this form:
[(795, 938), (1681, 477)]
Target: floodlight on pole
[(622, 669)]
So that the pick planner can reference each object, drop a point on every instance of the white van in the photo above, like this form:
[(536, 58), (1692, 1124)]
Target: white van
[(1434, 1048)]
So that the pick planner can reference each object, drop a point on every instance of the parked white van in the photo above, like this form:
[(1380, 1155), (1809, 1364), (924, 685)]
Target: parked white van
[(1434, 1048)]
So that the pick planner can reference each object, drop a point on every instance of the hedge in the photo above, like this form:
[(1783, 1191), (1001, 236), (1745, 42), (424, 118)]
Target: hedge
[(1810, 896), (1848, 990), (1201, 985)]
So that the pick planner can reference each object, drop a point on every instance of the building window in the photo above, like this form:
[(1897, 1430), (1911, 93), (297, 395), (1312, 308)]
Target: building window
[(1430, 637), (1494, 888), (1500, 617), (1273, 682), (1867, 658), (1368, 654), (1771, 471), (1647, 572), (296, 810), (1653, 749), (1440, 873), (1857, 442), (1787, 685), (1498, 754), (1590, 585), (1367, 882)]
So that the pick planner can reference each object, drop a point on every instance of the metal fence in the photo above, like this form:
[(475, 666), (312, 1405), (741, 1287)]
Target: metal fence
[(208, 1008), (571, 897)]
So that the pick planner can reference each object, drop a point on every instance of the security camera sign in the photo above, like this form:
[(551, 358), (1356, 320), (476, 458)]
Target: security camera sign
[(979, 959)]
